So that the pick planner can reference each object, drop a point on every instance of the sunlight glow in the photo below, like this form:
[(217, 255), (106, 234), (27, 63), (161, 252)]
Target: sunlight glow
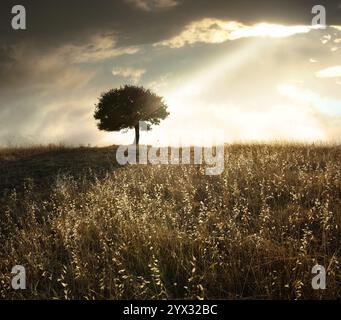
[(217, 31), (268, 30), (331, 72), (288, 123)]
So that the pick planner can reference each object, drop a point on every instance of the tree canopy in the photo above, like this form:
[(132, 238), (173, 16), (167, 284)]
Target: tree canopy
[(124, 107)]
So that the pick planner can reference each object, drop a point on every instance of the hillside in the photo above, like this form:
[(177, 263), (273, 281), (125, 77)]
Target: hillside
[(84, 228), (41, 165)]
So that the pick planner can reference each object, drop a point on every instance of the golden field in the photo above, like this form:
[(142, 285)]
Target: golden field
[(85, 228)]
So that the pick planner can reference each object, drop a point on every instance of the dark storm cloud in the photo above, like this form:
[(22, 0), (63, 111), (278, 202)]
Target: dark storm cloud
[(54, 22)]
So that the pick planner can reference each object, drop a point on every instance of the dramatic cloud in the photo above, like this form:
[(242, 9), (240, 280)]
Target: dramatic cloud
[(99, 48), (64, 65), (337, 27), (331, 72), (152, 5), (131, 73), (218, 31), (325, 105)]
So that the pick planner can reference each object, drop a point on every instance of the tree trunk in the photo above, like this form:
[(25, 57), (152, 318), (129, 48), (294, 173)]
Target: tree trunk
[(137, 134)]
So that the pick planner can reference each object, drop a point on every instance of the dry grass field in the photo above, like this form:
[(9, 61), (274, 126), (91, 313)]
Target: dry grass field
[(85, 228)]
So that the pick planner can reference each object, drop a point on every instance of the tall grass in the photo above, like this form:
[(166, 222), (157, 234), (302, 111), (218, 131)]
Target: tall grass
[(168, 231)]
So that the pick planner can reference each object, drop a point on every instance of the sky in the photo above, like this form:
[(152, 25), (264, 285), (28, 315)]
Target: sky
[(228, 70)]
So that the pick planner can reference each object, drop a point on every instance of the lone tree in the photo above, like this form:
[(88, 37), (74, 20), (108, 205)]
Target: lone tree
[(123, 108)]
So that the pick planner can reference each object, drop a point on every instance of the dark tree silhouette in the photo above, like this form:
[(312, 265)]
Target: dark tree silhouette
[(123, 108)]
